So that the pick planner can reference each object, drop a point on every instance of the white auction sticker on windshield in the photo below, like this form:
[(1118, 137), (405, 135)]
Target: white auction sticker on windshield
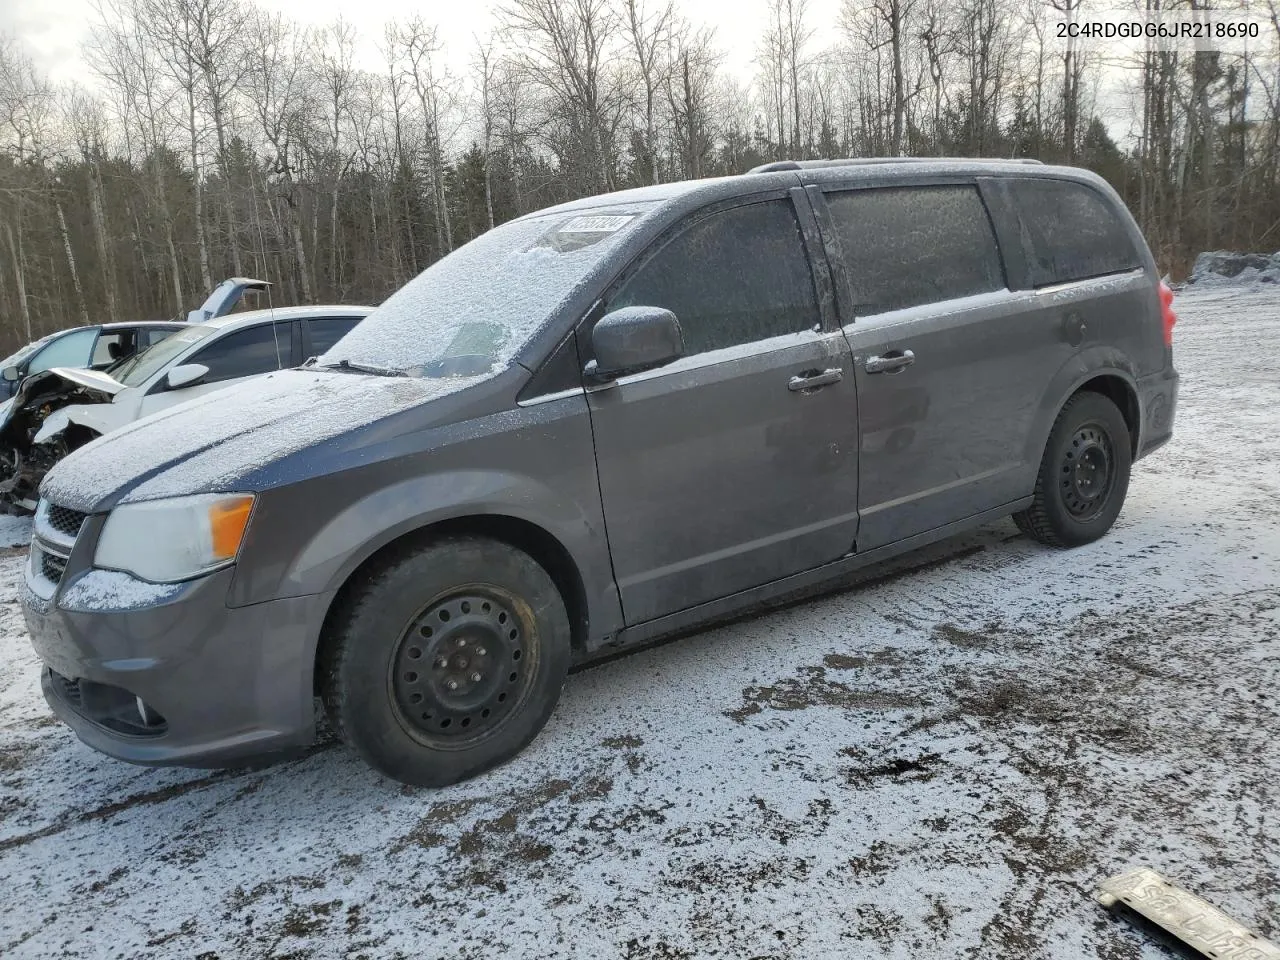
[(596, 224)]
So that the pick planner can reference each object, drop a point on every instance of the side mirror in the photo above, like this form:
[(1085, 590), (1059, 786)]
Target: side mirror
[(633, 339), (11, 373), (185, 375)]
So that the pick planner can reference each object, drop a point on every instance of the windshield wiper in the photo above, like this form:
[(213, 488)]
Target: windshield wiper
[(361, 368)]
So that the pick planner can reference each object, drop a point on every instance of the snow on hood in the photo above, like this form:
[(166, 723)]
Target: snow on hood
[(213, 441)]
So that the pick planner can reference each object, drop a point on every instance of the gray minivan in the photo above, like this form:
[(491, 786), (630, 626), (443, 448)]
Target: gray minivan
[(591, 426)]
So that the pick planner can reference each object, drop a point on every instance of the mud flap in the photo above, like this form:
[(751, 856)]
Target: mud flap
[(1186, 918)]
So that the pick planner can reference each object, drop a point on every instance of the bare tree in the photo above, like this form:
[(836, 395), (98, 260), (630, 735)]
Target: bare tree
[(648, 31), (25, 100), (1072, 69), (333, 59), (216, 40), (939, 42), (86, 119), (564, 47), (486, 66), (277, 84), (419, 47), (690, 89)]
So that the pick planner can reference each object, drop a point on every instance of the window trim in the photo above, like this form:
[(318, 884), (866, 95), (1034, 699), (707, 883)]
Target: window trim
[(287, 355), (809, 243), (741, 351), (848, 311)]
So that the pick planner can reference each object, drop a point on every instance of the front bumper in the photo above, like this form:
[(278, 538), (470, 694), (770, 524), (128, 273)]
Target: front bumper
[(1158, 402), (221, 685)]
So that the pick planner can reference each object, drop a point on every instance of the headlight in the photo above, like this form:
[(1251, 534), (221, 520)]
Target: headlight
[(165, 541)]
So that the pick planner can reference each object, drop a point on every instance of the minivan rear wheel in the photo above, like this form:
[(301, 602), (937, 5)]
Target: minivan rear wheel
[(1084, 474), (446, 660)]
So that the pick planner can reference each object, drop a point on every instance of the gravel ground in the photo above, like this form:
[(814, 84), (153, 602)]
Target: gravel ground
[(942, 761)]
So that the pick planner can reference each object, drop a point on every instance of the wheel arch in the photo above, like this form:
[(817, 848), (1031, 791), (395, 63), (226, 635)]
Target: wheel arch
[(1124, 394), (1102, 370), (540, 544)]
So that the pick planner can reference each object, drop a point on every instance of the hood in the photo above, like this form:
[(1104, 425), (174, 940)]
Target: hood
[(225, 296), (215, 441), (93, 379), (48, 385)]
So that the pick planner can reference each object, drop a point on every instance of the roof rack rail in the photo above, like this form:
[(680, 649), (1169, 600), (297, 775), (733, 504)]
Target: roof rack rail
[(782, 165)]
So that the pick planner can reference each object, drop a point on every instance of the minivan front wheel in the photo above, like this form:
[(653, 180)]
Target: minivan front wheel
[(446, 660), (1084, 474)]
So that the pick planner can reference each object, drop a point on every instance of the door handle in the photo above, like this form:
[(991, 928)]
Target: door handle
[(891, 361), (813, 379)]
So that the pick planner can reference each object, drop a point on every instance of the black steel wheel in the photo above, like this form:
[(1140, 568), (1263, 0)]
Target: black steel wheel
[(1083, 476), (1088, 471), (461, 667), (444, 659)]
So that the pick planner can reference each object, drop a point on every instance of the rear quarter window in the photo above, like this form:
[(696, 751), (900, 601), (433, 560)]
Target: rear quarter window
[(326, 331), (1069, 232)]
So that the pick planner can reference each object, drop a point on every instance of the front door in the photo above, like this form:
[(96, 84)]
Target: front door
[(231, 358), (736, 465), (951, 366)]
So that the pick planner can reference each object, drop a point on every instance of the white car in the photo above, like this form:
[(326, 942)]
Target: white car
[(203, 358), (64, 408)]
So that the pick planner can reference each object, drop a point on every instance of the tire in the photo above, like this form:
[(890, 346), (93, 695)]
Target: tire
[(469, 612), (1084, 474)]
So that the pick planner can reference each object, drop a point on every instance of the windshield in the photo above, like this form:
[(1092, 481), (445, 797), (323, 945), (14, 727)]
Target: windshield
[(138, 369), (472, 311)]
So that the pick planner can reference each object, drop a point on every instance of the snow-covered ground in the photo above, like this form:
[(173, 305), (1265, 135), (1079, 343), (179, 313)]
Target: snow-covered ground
[(940, 762)]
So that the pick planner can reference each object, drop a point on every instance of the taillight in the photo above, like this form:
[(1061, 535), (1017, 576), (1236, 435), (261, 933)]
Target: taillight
[(1166, 313)]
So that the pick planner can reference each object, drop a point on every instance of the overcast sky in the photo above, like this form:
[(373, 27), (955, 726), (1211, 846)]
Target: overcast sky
[(55, 29)]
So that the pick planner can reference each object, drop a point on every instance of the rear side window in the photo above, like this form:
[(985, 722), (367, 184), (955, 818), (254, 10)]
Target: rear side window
[(1069, 232), (113, 346), (247, 353), (739, 276), (326, 331), (907, 246)]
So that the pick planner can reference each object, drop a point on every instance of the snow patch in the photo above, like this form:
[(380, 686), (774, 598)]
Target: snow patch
[(101, 590), (14, 531), (1220, 267)]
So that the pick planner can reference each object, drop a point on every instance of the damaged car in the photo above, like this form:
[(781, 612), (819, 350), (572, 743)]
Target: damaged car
[(62, 409), (97, 348), (102, 346)]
